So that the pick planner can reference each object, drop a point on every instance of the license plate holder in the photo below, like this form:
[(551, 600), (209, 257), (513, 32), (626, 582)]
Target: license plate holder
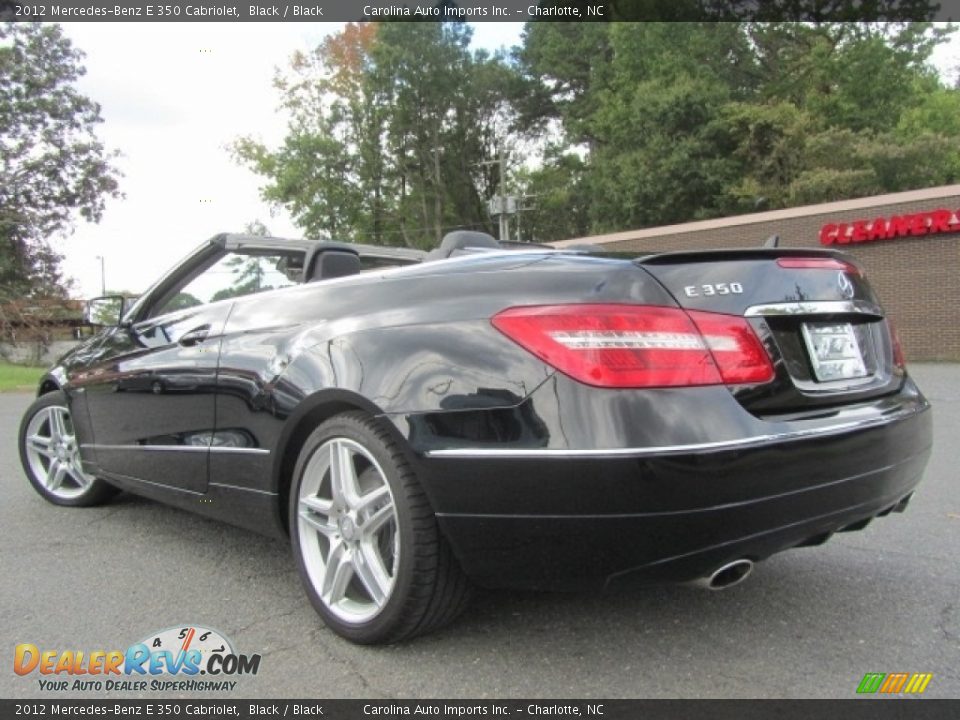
[(834, 350)]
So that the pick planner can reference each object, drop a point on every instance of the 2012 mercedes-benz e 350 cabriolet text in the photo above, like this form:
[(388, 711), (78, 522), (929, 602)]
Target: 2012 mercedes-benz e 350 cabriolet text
[(420, 423)]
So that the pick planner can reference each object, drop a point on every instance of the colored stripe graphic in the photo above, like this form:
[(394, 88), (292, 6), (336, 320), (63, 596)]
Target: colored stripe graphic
[(918, 683), (871, 682), (894, 683)]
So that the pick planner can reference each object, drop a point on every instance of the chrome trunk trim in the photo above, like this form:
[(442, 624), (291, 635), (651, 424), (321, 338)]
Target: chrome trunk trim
[(829, 307)]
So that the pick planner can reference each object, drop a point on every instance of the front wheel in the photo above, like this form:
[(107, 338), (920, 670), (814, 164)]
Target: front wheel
[(365, 538), (51, 457)]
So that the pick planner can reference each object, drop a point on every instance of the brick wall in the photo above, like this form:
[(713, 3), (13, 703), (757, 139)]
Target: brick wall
[(917, 279)]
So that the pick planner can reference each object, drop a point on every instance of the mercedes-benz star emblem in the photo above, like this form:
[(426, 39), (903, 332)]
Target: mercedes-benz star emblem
[(846, 287)]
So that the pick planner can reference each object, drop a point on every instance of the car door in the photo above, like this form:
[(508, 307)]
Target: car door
[(151, 398)]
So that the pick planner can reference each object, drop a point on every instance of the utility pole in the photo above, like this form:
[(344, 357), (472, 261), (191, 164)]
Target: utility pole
[(103, 275), (521, 209), (504, 220), (501, 204)]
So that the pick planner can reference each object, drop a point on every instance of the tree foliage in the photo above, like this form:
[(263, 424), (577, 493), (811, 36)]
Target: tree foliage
[(610, 125), (247, 272), (675, 122), (53, 168), (389, 126), (182, 301)]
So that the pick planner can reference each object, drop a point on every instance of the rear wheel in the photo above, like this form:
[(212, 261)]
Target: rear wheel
[(51, 457), (369, 551)]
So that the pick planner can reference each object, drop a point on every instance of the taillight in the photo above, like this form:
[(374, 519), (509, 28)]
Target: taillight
[(898, 359), (818, 263), (639, 346), (735, 348)]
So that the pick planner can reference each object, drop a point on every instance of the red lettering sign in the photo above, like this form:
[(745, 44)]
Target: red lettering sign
[(916, 224)]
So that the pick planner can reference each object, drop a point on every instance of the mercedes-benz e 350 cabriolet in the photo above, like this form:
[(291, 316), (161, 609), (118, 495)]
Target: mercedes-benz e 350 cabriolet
[(418, 424)]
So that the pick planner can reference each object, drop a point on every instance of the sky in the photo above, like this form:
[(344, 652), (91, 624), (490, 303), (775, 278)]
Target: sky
[(173, 96)]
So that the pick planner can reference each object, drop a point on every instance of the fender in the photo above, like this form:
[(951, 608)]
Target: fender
[(313, 410)]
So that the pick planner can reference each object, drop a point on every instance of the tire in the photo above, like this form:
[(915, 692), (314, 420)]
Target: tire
[(50, 455), (366, 541)]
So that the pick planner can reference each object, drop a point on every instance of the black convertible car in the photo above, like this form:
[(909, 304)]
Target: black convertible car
[(418, 423)]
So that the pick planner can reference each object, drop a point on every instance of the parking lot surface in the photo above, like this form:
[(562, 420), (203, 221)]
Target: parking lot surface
[(808, 623)]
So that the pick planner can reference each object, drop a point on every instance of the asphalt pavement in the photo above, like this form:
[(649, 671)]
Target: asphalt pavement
[(808, 623)]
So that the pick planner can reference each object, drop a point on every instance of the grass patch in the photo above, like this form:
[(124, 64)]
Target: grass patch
[(19, 377)]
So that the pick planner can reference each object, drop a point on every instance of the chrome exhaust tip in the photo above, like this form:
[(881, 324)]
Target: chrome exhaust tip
[(725, 576)]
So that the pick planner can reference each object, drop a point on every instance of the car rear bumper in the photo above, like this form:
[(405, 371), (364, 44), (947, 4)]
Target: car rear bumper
[(563, 518)]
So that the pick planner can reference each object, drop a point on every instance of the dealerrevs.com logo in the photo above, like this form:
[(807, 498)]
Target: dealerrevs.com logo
[(188, 658)]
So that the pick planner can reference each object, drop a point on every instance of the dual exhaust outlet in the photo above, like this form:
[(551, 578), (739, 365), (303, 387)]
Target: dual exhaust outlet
[(725, 576)]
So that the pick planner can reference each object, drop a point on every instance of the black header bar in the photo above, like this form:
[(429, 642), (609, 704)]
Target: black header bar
[(254, 709), (476, 10)]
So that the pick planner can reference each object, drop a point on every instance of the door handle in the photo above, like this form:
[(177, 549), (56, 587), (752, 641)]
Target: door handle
[(195, 336)]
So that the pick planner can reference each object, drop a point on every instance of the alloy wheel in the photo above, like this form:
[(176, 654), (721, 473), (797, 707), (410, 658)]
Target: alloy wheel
[(53, 454), (348, 530)]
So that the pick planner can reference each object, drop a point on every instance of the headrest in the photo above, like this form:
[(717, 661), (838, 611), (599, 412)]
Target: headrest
[(461, 240), (334, 263)]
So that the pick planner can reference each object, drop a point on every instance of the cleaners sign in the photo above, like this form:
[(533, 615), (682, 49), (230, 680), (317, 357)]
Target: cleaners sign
[(881, 228)]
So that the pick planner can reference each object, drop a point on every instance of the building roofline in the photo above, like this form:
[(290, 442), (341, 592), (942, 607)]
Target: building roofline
[(934, 193)]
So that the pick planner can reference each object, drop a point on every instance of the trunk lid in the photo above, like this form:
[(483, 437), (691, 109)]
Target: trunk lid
[(813, 310)]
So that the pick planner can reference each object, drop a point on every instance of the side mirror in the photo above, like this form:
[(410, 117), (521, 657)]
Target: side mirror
[(105, 311)]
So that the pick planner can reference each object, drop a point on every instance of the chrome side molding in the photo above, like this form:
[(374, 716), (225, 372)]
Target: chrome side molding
[(179, 448)]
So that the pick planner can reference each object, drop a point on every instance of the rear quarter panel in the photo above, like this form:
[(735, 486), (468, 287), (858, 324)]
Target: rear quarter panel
[(404, 343)]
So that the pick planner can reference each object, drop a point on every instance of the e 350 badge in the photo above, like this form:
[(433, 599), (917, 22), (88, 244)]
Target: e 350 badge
[(167, 661)]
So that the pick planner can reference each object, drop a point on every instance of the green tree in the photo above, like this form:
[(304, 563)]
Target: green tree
[(182, 301), (107, 312), (935, 110), (557, 198), (391, 123), (853, 75), (643, 112), (565, 69), (673, 122), (824, 124), (248, 272), (247, 278), (612, 125), (53, 168)]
